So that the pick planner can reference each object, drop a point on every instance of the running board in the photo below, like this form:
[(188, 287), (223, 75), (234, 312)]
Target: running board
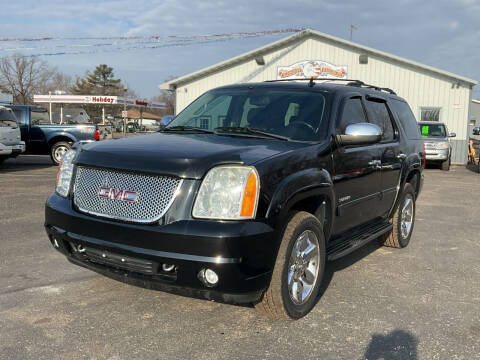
[(345, 245)]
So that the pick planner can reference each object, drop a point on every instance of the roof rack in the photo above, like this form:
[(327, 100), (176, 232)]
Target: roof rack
[(350, 82)]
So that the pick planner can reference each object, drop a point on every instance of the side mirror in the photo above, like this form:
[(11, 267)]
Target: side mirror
[(452, 134), (360, 134)]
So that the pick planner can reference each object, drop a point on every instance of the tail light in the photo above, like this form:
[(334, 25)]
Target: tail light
[(97, 135)]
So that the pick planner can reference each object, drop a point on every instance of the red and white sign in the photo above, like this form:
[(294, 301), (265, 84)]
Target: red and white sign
[(312, 68), (94, 99)]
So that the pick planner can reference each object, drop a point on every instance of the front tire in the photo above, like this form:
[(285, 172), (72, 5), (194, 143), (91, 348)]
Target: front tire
[(403, 220), (445, 165), (58, 150), (298, 270)]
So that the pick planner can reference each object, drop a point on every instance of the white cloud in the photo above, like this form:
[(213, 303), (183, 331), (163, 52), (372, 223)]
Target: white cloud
[(442, 33)]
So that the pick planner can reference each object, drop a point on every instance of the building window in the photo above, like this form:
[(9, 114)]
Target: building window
[(430, 114)]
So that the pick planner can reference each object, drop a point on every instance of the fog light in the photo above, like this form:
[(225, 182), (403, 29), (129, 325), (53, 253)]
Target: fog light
[(208, 277), (168, 267)]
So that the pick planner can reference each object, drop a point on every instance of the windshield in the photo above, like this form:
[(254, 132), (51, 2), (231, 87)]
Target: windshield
[(293, 114), (7, 118), (433, 130)]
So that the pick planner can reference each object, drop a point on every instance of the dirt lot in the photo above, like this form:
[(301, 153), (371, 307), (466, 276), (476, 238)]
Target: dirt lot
[(422, 302)]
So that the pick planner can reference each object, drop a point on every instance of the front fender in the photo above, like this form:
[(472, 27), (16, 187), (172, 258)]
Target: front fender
[(297, 187)]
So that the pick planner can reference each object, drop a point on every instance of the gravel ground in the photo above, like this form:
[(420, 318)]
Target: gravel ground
[(422, 302)]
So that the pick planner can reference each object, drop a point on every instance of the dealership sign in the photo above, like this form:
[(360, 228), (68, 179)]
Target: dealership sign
[(94, 99), (312, 68)]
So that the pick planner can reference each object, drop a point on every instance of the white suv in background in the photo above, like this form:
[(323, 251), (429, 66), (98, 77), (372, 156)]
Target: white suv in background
[(11, 144)]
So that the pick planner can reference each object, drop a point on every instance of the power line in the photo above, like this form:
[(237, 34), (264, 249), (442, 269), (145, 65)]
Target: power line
[(120, 43)]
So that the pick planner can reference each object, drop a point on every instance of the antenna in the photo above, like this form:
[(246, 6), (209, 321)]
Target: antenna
[(352, 28)]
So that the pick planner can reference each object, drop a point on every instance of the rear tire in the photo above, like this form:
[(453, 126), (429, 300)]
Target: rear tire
[(445, 165), (403, 220), (58, 150), (298, 271)]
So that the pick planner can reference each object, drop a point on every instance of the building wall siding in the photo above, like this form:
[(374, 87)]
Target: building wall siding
[(420, 88)]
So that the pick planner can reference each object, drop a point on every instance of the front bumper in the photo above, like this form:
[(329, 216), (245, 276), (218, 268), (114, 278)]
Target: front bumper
[(437, 155), (242, 253), (12, 150), (5, 150)]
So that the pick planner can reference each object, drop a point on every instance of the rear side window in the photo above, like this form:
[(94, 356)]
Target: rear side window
[(352, 113), (406, 117), (39, 118), (378, 114)]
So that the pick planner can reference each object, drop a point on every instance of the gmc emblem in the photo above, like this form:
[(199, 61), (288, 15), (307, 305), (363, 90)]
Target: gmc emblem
[(114, 194)]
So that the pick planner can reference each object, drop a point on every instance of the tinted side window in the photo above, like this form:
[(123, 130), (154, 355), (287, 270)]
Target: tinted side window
[(406, 117), (352, 113), (378, 114)]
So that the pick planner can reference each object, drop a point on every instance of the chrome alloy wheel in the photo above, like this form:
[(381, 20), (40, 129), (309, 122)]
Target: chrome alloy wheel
[(406, 217), (303, 267), (59, 153)]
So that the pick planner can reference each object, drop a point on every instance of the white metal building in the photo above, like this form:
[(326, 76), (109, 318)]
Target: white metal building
[(433, 94)]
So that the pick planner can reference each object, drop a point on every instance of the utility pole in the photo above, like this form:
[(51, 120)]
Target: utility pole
[(50, 106), (352, 28), (125, 89)]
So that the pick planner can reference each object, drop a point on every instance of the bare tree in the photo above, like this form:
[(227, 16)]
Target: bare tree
[(24, 76), (167, 97), (59, 81)]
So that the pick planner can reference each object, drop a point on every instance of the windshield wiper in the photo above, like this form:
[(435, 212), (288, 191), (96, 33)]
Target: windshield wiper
[(187, 128), (249, 131)]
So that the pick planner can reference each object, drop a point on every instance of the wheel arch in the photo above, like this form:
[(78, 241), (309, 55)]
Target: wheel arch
[(413, 177), (310, 190), (60, 137)]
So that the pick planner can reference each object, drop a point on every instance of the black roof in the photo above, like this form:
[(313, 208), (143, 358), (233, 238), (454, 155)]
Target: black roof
[(326, 86)]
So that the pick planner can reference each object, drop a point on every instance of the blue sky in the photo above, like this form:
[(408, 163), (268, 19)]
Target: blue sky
[(440, 33)]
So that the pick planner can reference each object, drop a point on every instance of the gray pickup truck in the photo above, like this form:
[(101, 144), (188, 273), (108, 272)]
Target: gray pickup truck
[(43, 137), (11, 144), (437, 145)]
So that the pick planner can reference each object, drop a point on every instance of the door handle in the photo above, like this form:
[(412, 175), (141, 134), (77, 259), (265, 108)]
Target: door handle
[(375, 162), (401, 156)]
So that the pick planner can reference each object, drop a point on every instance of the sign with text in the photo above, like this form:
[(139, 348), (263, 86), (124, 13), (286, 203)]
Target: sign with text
[(312, 69), (94, 99)]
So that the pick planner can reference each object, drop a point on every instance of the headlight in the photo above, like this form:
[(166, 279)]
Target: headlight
[(64, 175), (442, 145), (228, 193)]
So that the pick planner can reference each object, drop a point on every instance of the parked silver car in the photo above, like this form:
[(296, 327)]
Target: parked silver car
[(437, 145), (11, 144)]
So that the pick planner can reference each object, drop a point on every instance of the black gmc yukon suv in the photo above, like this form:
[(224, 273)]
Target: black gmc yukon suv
[(246, 194)]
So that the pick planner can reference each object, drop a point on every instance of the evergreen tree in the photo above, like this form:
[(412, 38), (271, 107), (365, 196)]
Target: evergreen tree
[(99, 82)]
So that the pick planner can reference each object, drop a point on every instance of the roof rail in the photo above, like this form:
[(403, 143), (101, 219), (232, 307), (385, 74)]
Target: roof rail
[(350, 82), (314, 79)]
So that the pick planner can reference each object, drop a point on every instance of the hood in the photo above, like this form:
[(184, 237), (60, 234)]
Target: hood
[(183, 155)]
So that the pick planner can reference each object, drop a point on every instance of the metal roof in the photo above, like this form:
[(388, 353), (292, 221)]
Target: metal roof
[(304, 34)]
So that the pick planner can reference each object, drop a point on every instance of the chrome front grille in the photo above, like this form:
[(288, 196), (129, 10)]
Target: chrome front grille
[(430, 146), (100, 192)]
